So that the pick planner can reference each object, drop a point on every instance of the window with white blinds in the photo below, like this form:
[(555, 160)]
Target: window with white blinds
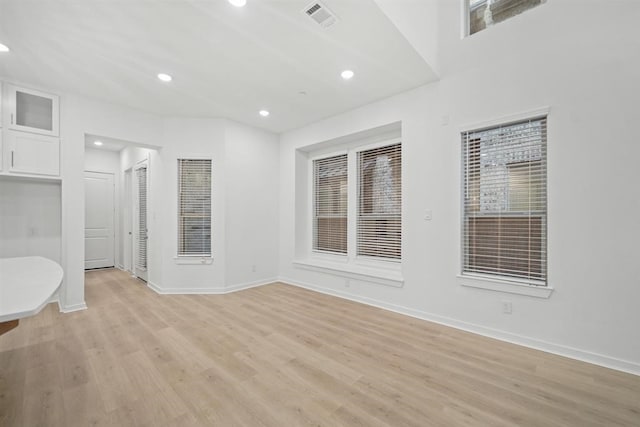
[(357, 199), (379, 223), (194, 207), (505, 201), (330, 204)]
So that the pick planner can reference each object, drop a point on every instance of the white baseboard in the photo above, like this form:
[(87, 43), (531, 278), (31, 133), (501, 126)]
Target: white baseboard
[(209, 291), (73, 307), (561, 350), (248, 285)]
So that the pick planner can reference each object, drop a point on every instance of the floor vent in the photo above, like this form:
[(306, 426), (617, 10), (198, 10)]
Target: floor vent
[(320, 14)]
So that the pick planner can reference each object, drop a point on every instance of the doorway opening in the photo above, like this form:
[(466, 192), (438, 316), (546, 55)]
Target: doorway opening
[(118, 230)]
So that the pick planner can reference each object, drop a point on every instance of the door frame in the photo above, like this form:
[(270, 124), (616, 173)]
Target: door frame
[(127, 219)]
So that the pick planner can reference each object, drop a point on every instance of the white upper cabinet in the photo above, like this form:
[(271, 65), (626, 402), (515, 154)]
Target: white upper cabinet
[(33, 111), (33, 154)]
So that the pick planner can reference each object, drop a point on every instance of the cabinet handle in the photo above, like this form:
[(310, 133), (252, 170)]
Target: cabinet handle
[(12, 158)]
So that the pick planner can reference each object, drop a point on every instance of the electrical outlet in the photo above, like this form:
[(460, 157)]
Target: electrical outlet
[(507, 308), (347, 283), (253, 268)]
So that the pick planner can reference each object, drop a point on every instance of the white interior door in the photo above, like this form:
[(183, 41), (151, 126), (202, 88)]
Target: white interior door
[(140, 221), (99, 236)]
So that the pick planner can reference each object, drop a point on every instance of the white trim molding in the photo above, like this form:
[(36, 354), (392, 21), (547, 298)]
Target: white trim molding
[(381, 276), (561, 350), (505, 286), (505, 120), (73, 307), (210, 291), (193, 260)]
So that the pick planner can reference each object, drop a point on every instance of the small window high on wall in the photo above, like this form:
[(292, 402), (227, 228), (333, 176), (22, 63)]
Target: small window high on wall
[(504, 230), (484, 13), (194, 207)]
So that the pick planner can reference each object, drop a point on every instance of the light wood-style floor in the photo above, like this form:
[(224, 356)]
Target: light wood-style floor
[(283, 356)]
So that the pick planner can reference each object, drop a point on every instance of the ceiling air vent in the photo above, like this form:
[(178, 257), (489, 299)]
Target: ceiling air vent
[(321, 14)]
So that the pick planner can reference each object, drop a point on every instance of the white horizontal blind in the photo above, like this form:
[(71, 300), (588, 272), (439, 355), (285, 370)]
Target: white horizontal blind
[(330, 204), (194, 207), (379, 229), (505, 201), (141, 259)]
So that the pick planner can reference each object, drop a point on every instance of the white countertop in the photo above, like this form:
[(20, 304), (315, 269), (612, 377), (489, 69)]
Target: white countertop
[(26, 285)]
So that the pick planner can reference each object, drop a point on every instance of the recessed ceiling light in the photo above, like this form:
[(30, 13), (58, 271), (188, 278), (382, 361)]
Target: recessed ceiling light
[(238, 3), (98, 143), (347, 74), (4, 48), (264, 113), (165, 77)]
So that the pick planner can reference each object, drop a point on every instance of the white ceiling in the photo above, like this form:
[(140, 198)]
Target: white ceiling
[(225, 61), (108, 144)]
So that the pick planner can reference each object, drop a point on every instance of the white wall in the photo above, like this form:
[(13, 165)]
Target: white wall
[(174, 138), (251, 205), (79, 116), (30, 213), (577, 61), (244, 205), (96, 160), (418, 22), (130, 156), (184, 138)]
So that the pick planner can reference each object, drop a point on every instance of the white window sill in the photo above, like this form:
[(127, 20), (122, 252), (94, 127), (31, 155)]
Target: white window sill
[(504, 286), (382, 275), (193, 260)]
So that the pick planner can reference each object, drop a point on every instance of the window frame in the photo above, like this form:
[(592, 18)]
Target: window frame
[(496, 282), (373, 269), (193, 258), (370, 258), (466, 17), (312, 194)]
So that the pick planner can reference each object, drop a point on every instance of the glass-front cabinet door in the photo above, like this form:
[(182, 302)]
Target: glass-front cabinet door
[(33, 111)]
